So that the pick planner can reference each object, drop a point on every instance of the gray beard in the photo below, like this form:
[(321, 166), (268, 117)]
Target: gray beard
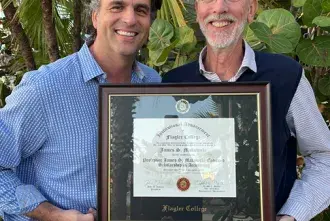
[(224, 39)]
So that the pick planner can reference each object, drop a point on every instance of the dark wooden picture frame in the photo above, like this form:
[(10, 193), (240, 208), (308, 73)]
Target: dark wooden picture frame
[(261, 89)]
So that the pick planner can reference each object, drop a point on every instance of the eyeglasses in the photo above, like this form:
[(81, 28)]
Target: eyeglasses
[(213, 1)]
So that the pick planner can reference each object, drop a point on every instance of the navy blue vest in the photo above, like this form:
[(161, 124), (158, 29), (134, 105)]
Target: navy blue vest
[(284, 74)]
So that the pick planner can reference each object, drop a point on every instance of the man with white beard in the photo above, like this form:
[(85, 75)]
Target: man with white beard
[(296, 119)]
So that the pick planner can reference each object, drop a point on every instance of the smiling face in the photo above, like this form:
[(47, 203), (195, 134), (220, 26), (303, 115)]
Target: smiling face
[(223, 21), (122, 25)]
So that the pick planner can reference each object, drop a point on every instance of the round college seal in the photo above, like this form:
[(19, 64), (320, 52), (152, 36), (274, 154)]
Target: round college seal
[(183, 184), (182, 106)]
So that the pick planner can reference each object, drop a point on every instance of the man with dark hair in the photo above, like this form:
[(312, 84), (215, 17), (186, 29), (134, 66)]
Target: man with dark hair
[(296, 120), (48, 128)]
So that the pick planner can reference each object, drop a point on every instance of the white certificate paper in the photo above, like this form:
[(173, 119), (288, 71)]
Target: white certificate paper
[(184, 157)]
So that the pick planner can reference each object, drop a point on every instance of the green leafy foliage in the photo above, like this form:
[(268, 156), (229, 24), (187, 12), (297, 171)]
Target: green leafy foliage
[(161, 33), (186, 38), (282, 24), (322, 21), (298, 3), (278, 43), (159, 57), (30, 14), (180, 44), (311, 9), (168, 43), (315, 52), (326, 6), (324, 85)]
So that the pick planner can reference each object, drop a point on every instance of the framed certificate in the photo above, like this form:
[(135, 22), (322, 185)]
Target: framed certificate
[(185, 152)]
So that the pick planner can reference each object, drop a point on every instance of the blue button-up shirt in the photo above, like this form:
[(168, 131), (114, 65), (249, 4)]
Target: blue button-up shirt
[(48, 134)]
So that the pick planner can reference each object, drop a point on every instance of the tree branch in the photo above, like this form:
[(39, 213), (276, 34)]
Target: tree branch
[(77, 8), (50, 33), (19, 34)]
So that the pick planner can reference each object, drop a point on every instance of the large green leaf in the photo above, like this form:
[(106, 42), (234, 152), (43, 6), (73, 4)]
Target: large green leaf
[(161, 33), (324, 85), (159, 57), (252, 39), (278, 43), (298, 3), (322, 21), (311, 9), (186, 38), (326, 6), (315, 52), (282, 24)]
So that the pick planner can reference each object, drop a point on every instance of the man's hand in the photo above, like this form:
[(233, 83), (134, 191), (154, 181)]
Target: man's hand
[(285, 218), (72, 215), (94, 212), (48, 212)]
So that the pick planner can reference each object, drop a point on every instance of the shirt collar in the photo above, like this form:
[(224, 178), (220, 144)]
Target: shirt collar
[(137, 70), (91, 69), (248, 59)]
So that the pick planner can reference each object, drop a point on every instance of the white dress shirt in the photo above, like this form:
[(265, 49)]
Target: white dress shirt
[(310, 195)]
